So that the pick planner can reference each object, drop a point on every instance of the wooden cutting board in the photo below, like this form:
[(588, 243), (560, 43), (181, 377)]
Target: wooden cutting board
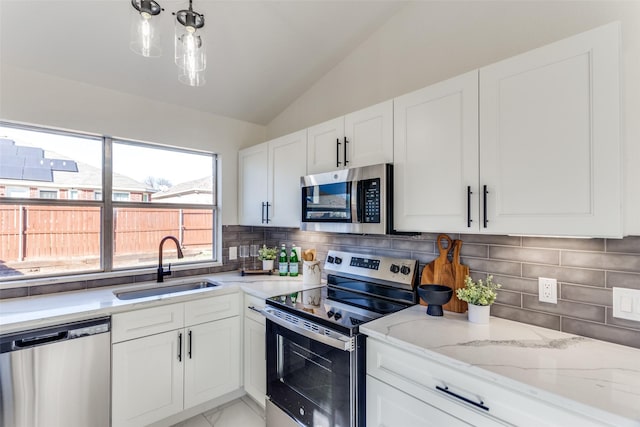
[(460, 271), (440, 270)]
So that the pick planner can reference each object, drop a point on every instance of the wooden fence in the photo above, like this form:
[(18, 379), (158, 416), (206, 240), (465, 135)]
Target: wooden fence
[(41, 232)]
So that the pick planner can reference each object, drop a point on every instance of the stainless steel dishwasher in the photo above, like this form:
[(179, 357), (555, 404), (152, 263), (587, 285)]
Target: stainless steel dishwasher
[(57, 376)]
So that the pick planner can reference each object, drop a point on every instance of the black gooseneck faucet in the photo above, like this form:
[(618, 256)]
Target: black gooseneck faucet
[(161, 272)]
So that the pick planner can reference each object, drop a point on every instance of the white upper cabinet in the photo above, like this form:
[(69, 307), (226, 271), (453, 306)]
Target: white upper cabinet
[(543, 158), (252, 184), (287, 163), (369, 135), (325, 146), (269, 181), (361, 138), (550, 152), (436, 157)]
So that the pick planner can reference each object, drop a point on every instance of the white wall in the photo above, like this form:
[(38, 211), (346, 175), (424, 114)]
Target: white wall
[(42, 99), (426, 42)]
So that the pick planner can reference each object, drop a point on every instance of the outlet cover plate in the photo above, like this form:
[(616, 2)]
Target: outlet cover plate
[(547, 290), (626, 304), (233, 253)]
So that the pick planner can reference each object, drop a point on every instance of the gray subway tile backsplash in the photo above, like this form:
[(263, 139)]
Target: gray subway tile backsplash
[(517, 262), (599, 260), (586, 266), (623, 280), (564, 274)]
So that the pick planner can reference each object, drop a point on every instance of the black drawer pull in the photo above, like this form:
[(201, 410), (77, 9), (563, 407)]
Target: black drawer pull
[(480, 405)]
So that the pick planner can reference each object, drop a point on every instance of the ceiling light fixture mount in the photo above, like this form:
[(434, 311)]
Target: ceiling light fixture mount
[(190, 54), (145, 39)]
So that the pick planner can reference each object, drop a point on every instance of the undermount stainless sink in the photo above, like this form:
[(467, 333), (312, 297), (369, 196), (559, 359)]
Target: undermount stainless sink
[(151, 292)]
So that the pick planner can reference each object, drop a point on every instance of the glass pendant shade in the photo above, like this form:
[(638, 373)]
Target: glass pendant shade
[(145, 38), (190, 55)]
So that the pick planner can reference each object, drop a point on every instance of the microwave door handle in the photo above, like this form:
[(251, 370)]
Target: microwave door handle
[(359, 201)]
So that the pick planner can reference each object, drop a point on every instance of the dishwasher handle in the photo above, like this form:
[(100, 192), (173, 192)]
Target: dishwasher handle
[(41, 339), (69, 331)]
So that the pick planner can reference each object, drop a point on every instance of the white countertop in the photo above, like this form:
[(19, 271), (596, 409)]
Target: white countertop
[(19, 314), (575, 372)]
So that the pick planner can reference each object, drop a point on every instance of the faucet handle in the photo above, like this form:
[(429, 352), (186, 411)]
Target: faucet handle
[(169, 269)]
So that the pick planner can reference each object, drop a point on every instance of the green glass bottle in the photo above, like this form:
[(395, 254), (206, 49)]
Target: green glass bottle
[(293, 262), (282, 261)]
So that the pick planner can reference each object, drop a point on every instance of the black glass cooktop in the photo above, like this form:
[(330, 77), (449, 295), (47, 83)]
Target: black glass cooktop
[(336, 308)]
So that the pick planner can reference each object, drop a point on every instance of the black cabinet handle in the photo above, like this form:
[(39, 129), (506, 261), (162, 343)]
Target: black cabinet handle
[(445, 389), (469, 193), (253, 308), (262, 212), (179, 346), (267, 220), (485, 205), (345, 151), (190, 341), (337, 152)]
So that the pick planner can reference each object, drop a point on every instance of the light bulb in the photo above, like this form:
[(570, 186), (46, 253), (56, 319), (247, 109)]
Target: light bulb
[(145, 34)]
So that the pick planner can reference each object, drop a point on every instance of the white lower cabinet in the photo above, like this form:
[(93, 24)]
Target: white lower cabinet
[(406, 389), (390, 407), (159, 375), (255, 365), (212, 363)]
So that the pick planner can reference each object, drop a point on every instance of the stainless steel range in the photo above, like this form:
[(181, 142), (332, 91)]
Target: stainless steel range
[(315, 353)]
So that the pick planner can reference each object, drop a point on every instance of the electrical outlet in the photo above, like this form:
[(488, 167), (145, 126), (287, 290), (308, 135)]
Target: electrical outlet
[(548, 290), (233, 253)]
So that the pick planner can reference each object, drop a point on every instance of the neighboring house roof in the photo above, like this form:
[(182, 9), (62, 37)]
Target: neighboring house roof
[(202, 186), (63, 173)]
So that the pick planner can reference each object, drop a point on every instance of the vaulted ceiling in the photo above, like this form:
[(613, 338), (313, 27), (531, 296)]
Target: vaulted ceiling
[(261, 55)]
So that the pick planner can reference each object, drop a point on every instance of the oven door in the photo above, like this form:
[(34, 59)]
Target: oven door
[(315, 383)]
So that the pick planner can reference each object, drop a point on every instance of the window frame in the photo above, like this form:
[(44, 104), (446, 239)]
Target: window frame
[(107, 206)]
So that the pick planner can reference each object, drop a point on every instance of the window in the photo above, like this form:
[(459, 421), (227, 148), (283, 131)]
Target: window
[(48, 194), (152, 191)]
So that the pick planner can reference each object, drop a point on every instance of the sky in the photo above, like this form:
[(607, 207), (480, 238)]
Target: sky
[(137, 162)]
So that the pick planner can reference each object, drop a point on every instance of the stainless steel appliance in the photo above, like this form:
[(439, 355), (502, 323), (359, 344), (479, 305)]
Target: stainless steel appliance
[(357, 200), (57, 377), (315, 353)]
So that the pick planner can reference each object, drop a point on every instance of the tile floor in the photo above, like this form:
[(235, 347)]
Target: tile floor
[(241, 412)]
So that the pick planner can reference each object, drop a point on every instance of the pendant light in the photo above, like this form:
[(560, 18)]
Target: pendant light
[(145, 39), (189, 48)]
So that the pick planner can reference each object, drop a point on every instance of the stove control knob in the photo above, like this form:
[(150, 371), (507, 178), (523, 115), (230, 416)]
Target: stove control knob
[(394, 268), (405, 270), (330, 314), (338, 260), (330, 259), (337, 316)]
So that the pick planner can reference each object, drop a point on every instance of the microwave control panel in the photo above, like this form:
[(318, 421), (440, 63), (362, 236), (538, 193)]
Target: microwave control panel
[(371, 196)]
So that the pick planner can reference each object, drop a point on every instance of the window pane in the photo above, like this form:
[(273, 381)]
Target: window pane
[(48, 240), (138, 232), (36, 164), (156, 174)]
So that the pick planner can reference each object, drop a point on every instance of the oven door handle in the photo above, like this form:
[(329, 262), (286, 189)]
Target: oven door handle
[(340, 342)]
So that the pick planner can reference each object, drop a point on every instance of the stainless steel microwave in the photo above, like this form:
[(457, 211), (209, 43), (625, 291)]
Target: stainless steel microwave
[(356, 200)]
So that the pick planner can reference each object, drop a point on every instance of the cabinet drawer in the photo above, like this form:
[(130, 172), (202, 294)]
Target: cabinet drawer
[(140, 323), (213, 308), (251, 313), (447, 389)]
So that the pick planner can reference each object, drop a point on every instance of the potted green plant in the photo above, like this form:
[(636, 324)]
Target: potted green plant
[(479, 297), (267, 255)]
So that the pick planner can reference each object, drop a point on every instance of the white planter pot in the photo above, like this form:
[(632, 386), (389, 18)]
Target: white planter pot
[(478, 313), (267, 264)]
